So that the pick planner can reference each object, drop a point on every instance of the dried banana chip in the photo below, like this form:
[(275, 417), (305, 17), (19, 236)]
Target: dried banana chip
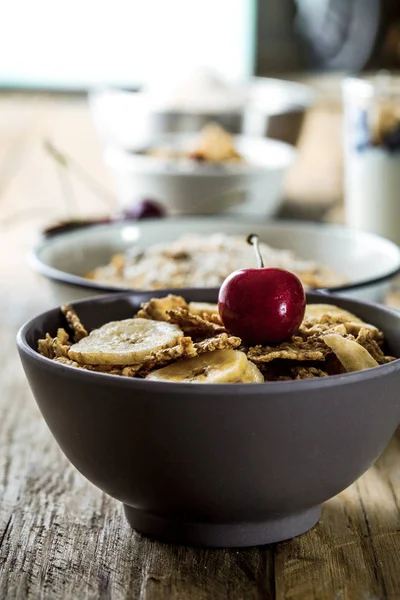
[(352, 356), (126, 342), (252, 374), (220, 366), (317, 311)]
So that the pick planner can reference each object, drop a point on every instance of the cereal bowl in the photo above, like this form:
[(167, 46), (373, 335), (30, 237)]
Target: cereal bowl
[(253, 186), (367, 261), (216, 465)]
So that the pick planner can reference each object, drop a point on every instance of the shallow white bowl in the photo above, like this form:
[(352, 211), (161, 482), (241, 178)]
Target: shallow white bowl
[(188, 187), (369, 262), (124, 117)]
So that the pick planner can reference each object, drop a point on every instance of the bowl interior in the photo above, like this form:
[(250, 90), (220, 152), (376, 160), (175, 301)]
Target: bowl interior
[(359, 256), (205, 455), (94, 312), (275, 96), (258, 153)]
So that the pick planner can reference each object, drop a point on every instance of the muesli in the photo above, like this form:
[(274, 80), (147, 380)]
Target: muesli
[(212, 145), (203, 261), (170, 339)]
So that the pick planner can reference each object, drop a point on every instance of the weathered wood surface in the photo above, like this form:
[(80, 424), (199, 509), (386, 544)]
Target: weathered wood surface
[(62, 538)]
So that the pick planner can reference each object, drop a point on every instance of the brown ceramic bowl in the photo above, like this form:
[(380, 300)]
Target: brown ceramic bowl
[(216, 465)]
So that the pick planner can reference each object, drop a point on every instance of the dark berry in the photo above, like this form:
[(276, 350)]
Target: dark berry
[(143, 209)]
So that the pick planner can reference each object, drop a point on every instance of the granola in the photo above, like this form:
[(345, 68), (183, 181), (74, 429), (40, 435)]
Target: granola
[(218, 342), (170, 339), (157, 308), (367, 339), (194, 325), (213, 145), (295, 349), (74, 322), (55, 347), (308, 373)]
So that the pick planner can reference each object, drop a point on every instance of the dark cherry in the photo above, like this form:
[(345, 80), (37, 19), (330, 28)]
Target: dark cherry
[(263, 305), (143, 209), (72, 224)]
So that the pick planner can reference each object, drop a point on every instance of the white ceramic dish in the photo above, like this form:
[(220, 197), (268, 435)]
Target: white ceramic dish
[(186, 187), (369, 262), (123, 117)]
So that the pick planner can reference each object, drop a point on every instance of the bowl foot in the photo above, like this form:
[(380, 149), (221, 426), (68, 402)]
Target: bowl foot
[(223, 535)]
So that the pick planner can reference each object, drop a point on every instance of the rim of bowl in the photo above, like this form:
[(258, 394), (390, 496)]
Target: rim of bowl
[(126, 159), (210, 388), (107, 92), (299, 96), (78, 281)]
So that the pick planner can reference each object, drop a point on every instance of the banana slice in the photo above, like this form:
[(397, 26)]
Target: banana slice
[(219, 366), (199, 308), (315, 311), (124, 342), (352, 355), (252, 374)]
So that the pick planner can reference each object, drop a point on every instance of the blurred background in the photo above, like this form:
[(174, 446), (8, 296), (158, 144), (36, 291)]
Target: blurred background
[(76, 45), (52, 54)]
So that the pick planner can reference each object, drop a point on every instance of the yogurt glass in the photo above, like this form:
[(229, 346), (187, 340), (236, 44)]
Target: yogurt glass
[(372, 154)]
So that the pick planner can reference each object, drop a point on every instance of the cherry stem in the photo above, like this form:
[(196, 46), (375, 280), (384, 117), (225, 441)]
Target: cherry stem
[(253, 240)]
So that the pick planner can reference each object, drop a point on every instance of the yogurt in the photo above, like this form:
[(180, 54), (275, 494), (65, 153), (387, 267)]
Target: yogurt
[(372, 192), (372, 159)]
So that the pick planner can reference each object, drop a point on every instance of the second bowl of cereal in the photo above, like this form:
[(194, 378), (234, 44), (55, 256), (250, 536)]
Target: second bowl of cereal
[(205, 439), (213, 172), (200, 252)]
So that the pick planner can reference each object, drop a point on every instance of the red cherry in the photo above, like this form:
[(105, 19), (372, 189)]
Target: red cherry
[(262, 306), (144, 209)]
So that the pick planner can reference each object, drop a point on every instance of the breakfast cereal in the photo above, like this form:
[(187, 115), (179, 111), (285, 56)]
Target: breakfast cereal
[(172, 340), (203, 261)]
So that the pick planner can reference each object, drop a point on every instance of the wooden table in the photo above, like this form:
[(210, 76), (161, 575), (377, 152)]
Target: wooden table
[(60, 537)]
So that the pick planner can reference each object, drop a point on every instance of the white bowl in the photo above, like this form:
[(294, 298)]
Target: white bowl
[(124, 118), (187, 187), (368, 261)]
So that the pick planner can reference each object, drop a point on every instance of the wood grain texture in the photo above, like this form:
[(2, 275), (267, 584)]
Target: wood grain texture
[(354, 552), (60, 537)]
